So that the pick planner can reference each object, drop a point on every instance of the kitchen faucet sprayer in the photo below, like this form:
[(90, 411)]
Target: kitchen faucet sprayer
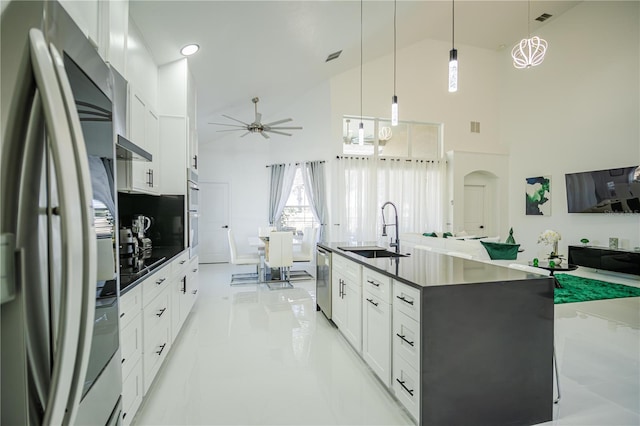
[(395, 244)]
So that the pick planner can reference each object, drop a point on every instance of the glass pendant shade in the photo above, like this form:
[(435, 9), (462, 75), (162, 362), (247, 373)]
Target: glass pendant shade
[(361, 133), (453, 70), (529, 52), (394, 110)]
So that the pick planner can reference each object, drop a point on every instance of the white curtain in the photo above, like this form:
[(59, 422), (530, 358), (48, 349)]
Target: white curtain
[(416, 187), (282, 176), (356, 199)]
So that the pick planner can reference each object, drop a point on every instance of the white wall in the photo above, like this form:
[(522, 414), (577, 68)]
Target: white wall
[(577, 111)]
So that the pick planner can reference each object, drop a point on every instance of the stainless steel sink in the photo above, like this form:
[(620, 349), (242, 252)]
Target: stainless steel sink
[(371, 251)]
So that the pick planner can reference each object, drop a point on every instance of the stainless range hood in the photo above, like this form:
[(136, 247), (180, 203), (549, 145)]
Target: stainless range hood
[(127, 150)]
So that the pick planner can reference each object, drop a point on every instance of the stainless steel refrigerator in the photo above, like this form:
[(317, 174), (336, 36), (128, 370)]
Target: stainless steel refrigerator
[(60, 357)]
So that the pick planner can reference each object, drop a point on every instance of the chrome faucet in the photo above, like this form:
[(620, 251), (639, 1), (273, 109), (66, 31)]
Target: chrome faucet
[(395, 244)]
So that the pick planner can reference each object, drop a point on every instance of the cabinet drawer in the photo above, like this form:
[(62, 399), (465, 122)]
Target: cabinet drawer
[(156, 313), (131, 345), (377, 284), (406, 299), (132, 393), (153, 285), (350, 269), (179, 264), (156, 349), (130, 305), (406, 386), (406, 338)]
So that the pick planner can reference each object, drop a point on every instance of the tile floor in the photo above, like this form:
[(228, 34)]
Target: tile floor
[(249, 356)]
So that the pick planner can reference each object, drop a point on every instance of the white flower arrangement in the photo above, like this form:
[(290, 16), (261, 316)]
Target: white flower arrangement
[(549, 237)]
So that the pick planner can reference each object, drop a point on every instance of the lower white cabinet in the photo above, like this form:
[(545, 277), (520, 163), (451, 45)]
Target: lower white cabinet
[(376, 323), (406, 386), (148, 327), (346, 309)]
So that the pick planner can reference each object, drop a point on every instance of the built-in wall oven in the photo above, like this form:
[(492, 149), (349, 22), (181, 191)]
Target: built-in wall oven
[(192, 203)]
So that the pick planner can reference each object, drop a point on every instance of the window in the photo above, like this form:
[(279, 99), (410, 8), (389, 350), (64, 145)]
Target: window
[(297, 213), (408, 139)]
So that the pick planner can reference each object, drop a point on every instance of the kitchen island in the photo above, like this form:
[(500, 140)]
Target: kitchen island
[(456, 341)]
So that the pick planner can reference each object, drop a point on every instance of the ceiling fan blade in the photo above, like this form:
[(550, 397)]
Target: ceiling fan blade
[(242, 136), (280, 133), (228, 130), (258, 117), (230, 125), (279, 122), (231, 118), (264, 135), (285, 128)]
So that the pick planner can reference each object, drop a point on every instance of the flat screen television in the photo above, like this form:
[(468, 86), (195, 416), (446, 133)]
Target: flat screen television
[(604, 191)]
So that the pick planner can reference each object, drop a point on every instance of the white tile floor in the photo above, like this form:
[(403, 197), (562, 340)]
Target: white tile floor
[(249, 356)]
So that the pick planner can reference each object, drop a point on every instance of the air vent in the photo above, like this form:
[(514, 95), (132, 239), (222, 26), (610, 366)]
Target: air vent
[(333, 56), (543, 17), (475, 127)]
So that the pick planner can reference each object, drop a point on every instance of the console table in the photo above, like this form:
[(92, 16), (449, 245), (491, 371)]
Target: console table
[(606, 259)]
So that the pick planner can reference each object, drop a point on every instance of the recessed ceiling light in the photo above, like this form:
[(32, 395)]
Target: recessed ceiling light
[(189, 49)]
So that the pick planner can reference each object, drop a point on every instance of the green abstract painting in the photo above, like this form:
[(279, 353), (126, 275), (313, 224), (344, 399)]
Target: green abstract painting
[(538, 196)]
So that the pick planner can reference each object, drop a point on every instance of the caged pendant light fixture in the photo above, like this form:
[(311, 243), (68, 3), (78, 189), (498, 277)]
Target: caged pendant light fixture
[(394, 99), (453, 54), (530, 51), (361, 126)]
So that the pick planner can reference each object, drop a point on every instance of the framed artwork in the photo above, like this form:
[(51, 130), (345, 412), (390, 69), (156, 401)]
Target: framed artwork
[(538, 196)]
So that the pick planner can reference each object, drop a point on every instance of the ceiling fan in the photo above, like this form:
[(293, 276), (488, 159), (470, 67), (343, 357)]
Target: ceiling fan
[(257, 126)]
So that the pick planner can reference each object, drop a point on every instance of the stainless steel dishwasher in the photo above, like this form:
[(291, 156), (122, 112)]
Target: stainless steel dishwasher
[(323, 281)]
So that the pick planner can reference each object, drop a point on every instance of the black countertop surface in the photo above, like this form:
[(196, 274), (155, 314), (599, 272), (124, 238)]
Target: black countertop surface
[(157, 257), (422, 268)]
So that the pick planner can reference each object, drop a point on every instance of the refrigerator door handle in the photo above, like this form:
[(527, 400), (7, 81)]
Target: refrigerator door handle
[(89, 241), (58, 409)]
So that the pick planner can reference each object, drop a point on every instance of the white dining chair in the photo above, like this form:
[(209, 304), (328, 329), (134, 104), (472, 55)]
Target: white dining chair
[(280, 257), (243, 259), (305, 253)]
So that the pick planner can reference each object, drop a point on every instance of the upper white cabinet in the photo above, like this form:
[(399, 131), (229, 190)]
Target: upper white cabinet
[(174, 134), (177, 98), (143, 130), (115, 17), (86, 16)]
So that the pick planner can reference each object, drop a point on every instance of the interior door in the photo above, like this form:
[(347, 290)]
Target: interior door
[(474, 210), (214, 222)]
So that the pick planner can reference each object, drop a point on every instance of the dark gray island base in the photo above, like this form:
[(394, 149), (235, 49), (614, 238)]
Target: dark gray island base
[(486, 336)]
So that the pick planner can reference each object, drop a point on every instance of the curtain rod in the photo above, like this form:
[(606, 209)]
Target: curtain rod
[(297, 164), (342, 157)]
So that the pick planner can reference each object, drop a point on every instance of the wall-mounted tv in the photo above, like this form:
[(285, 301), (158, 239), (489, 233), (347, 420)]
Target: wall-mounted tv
[(604, 191)]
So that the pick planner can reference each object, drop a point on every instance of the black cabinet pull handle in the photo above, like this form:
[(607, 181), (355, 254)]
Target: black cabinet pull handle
[(372, 302), (161, 349), (121, 315), (161, 312), (194, 291), (195, 270), (182, 262), (405, 300), (124, 415), (373, 283), (160, 281), (122, 362), (405, 388), (403, 338)]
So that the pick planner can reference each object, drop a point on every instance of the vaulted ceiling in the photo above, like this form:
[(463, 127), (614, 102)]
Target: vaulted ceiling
[(278, 48)]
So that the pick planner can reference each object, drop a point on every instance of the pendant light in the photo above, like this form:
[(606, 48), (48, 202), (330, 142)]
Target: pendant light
[(453, 54), (394, 99), (530, 51), (361, 126)]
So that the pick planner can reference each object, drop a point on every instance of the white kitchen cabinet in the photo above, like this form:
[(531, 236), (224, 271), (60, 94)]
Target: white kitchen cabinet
[(131, 352), (406, 346), (179, 293), (177, 98), (174, 134), (347, 298), (143, 130), (194, 280), (376, 323)]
